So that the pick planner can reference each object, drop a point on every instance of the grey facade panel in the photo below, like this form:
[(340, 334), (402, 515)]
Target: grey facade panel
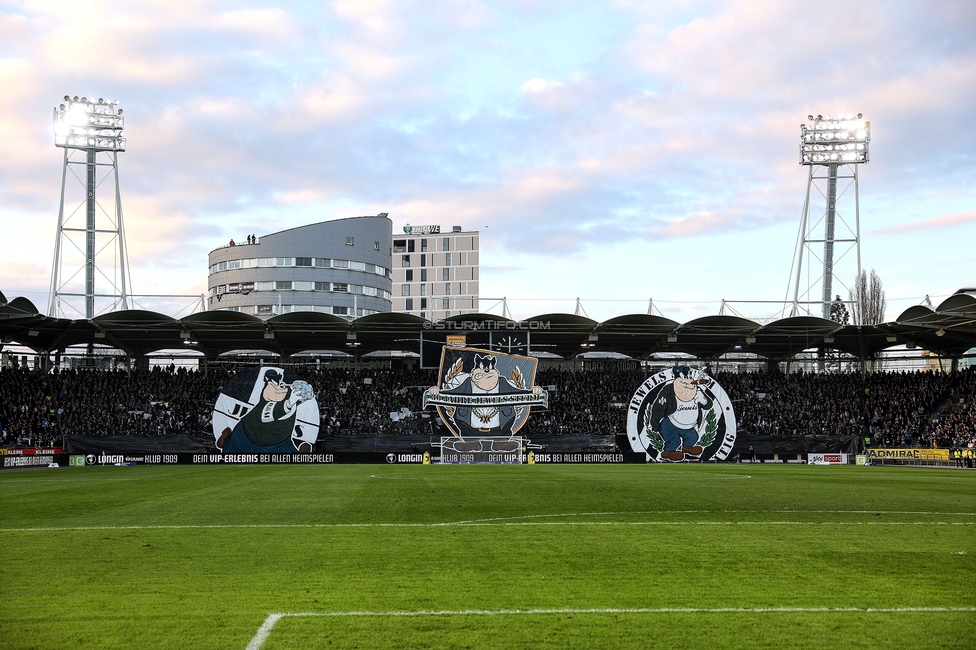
[(370, 245)]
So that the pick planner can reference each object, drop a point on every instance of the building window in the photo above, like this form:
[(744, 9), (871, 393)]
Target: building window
[(446, 303), (399, 245), (303, 286), (423, 303), (340, 264), (423, 260), (283, 285), (447, 275), (340, 286), (406, 261), (447, 289), (423, 275), (447, 259), (405, 291), (340, 311), (303, 261), (423, 245), (284, 261), (264, 286), (447, 314), (322, 286), (423, 290), (447, 243), (409, 304), (410, 245), (323, 262), (410, 275), (264, 309), (349, 240), (376, 245)]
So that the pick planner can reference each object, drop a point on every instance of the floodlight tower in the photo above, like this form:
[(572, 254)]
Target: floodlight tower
[(832, 149), (93, 128)]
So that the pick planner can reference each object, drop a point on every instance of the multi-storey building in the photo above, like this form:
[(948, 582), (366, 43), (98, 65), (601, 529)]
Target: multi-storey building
[(435, 274), (340, 267)]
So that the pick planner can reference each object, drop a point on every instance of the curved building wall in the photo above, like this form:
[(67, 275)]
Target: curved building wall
[(340, 267)]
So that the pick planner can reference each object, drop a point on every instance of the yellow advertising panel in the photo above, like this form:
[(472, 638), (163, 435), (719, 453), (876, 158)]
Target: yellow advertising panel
[(908, 453)]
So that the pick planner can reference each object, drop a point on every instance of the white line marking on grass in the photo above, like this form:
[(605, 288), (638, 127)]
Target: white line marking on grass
[(483, 523), (862, 512), (262, 634), (691, 512), (265, 630)]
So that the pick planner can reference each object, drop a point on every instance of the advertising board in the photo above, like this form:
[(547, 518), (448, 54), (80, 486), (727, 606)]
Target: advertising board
[(913, 453), (827, 459)]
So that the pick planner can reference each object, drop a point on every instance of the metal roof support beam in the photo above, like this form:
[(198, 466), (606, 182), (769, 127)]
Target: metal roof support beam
[(111, 338)]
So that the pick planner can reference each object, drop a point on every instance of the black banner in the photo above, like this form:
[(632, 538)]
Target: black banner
[(136, 445), (784, 445), (214, 457)]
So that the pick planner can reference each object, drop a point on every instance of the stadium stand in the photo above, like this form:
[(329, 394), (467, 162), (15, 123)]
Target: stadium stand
[(918, 409)]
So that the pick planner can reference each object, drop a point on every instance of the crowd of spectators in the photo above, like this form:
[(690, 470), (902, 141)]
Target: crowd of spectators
[(38, 408), (897, 406), (955, 425), (899, 409)]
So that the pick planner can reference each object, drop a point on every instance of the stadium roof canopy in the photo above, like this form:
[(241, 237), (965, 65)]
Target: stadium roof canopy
[(949, 330)]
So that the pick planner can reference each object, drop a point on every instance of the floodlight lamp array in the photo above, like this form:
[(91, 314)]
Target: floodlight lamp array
[(80, 123), (826, 140)]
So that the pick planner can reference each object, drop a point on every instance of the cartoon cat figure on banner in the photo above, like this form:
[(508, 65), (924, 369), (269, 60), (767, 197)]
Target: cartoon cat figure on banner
[(266, 410), (484, 393), (681, 414)]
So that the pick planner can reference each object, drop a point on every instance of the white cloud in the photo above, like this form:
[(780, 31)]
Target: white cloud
[(538, 86)]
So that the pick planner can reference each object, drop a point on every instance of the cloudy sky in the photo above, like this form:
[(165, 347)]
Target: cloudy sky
[(613, 152)]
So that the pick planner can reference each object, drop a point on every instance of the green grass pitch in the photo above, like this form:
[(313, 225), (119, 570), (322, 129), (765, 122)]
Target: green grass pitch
[(360, 556)]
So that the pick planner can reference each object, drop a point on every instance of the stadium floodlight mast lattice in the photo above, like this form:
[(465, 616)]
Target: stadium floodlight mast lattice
[(831, 148), (93, 127)]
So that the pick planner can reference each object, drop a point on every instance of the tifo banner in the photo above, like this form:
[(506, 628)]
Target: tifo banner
[(482, 393), (907, 454), (680, 415), (266, 410), (827, 459)]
